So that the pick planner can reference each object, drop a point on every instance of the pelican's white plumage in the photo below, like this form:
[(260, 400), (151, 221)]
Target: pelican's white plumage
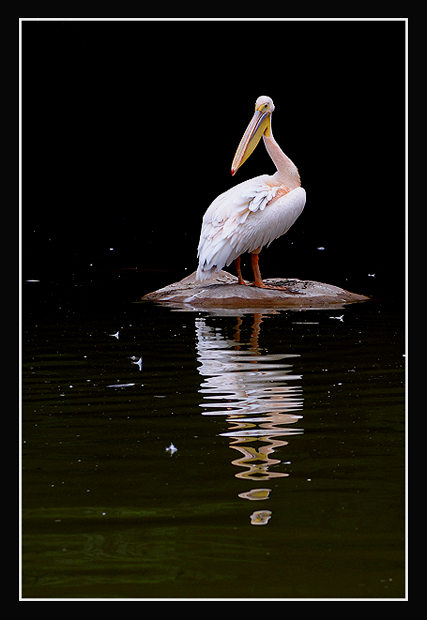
[(244, 219), (252, 214)]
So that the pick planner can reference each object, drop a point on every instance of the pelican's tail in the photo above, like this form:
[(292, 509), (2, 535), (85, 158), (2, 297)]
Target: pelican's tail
[(205, 274)]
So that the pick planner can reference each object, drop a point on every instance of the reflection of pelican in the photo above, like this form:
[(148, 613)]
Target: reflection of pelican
[(260, 517), (254, 213), (256, 392)]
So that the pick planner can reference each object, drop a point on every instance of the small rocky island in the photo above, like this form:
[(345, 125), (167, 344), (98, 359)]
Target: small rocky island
[(223, 291)]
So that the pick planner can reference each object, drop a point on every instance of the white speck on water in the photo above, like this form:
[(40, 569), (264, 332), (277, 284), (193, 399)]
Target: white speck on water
[(138, 363), (120, 385), (172, 449), (321, 247), (371, 275)]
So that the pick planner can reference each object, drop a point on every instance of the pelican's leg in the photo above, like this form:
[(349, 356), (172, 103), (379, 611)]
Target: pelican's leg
[(257, 276), (239, 271)]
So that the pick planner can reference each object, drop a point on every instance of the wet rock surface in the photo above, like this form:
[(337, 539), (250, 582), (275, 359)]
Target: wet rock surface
[(223, 290)]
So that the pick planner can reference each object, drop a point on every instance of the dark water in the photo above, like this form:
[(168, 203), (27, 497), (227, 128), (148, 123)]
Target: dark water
[(288, 475)]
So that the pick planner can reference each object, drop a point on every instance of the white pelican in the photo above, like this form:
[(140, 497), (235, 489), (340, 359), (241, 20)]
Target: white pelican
[(254, 213)]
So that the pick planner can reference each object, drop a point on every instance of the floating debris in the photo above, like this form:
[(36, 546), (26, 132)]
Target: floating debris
[(120, 385), (339, 318), (138, 362), (116, 335), (172, 449), (371, 275)]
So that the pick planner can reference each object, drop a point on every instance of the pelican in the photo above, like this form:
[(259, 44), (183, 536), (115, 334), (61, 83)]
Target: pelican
[(254, 213)]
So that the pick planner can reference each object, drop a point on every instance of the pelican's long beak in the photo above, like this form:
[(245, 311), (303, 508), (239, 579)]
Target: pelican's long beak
[(259, 125)]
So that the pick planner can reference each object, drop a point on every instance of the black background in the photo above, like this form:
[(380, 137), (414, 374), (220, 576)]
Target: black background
[(129, 130)]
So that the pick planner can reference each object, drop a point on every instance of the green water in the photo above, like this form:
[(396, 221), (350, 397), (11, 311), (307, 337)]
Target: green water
[(288, 478)]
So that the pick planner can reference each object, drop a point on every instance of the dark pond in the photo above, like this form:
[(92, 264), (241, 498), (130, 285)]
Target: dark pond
[(194, 454)]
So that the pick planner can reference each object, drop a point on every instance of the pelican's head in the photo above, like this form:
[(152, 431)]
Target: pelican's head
[(260, 125)]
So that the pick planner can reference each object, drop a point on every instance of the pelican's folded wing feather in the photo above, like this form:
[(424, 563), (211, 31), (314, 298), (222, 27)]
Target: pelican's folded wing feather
[(239, 221)]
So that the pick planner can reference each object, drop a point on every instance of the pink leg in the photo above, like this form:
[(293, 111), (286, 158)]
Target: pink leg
[(239, 271), (257, 276)]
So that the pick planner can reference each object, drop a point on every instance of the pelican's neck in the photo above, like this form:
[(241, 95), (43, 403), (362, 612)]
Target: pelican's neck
[(287, 172)]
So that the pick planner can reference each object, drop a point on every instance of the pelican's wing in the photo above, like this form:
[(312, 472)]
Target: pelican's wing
[(240, 220), (228, 212)]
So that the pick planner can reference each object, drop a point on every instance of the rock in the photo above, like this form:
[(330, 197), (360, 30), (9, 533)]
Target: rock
[(223, 291)]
